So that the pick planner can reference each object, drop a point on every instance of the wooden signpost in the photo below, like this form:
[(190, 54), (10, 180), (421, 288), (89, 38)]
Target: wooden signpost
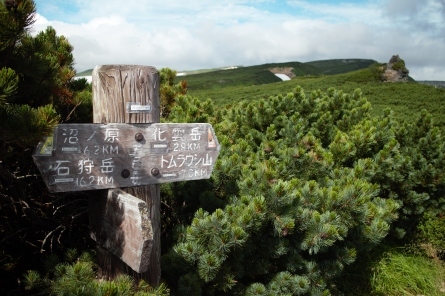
[(128, 151)]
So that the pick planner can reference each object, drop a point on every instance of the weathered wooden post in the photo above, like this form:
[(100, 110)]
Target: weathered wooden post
[(129, 94), (127, 150)]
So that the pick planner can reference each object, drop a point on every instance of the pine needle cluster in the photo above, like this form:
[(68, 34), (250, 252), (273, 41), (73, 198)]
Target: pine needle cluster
[(77, 276)]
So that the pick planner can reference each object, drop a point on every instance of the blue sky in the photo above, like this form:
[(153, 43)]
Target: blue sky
[(195, 34)]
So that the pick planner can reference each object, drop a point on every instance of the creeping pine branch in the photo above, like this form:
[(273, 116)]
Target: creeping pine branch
[(72, 111), (165, 204), (66, 204), (27, 176), (63, 228), (60, 235), (17, 232), (77, 215), (49, 235)]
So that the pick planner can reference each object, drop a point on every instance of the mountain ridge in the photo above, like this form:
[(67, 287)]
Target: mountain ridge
[(317, 67), (325, 66)]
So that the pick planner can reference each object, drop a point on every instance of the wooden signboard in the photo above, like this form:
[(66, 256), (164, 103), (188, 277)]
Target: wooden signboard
[(99, 156), (121, 225)]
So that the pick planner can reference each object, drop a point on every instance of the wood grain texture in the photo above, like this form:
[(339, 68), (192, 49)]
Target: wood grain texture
[(123, 228), (113, 87), (116, 85)]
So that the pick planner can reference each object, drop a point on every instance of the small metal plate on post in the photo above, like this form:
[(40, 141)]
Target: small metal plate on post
[(136, 107)]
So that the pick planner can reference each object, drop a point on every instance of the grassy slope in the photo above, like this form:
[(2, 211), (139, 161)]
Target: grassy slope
[(312, 68), (85, 73), (249, 83), (243, 76), (405, 99), (339, 66)]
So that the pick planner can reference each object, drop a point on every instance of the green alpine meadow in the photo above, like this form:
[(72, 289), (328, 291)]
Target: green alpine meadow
[(330, 183)]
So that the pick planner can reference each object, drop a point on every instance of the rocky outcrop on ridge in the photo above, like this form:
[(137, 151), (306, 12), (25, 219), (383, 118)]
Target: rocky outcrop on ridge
[(395, 70), (288, 71)]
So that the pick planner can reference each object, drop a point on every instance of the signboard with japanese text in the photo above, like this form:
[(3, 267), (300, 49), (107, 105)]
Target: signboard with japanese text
[(98, 156)]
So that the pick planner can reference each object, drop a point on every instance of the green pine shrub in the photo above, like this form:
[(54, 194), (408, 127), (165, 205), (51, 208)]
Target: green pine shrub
[(431, 231), (400, 66), (376, 71), (169, 90), (307, 184), (77, 276)]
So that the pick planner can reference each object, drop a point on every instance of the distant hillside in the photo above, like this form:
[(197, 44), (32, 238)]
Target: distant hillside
[(233, 84), (406, 99), (239, 75), (435, 83), (201, 71), (252, 75), (179, 73), (263, 74), (339, 66), (85, 73)]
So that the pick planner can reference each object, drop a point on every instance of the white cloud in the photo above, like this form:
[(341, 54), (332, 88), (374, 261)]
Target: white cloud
[(340, 12), (193, 34)]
